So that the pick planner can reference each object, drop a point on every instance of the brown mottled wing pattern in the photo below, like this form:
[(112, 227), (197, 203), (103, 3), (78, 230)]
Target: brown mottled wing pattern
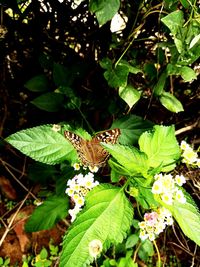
[(91, 153)]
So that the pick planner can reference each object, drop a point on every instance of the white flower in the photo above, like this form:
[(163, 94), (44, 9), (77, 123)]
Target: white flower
[(93, 169), (169, 221), (143, 235), (142, 225), (189, 156), (158, 176), (180, 180), (154, 223), (157, 187), (76, 166), (152, 236), (71, 182), (167, 198), (95, 247), (179, 196), (80, 179), (168, 183), (69, 191), (184, 145), (73, 212)]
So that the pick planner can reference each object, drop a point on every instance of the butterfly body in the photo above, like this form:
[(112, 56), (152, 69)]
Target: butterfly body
[(90, 152)]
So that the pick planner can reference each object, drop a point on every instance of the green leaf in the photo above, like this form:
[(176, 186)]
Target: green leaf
[(106, 217), (174, 21), (129, 94), (187, 73), (146, 250), (132, 127), (104, 10), (48, 214), (43, 254), (38, 83), (159, 87), (131, 158), (161, 147), (132, 241), (50, 102), (170, 102), (188, 217), (194, 41), (146, 198), (42, 144), (131, 68), (60, 75), (117, 77)]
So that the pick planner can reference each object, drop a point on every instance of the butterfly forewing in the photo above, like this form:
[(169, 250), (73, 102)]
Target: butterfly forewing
[(90, 152)]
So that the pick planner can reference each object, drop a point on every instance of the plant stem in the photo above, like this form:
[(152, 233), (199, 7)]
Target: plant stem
[(158, 253)]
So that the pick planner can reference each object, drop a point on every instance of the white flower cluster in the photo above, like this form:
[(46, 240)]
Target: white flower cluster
[(189, 155), (166, 186), (154, 223), (77, 189), (77, 167)]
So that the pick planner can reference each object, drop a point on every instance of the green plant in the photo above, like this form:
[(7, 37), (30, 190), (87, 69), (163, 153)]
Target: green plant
[(144, 63), (43, 258), (4, 262), (133, 172)]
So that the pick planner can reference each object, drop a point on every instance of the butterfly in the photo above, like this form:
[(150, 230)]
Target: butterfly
[(90, 152)]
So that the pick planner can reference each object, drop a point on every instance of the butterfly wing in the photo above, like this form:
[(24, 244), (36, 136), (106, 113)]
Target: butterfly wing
[(83, 147), (109, 136), (91, 153)]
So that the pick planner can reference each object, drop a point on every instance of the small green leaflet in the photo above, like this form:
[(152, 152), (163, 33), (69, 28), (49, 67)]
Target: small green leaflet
[(170, 102), (107, 217), (104, 10), (48, 214), (129, 94), (38, 83), (161, 147), (42, 144), (131, 158), (50, 102)]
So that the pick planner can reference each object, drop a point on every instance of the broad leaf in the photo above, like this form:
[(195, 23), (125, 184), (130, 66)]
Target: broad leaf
[(130, 158), (174, 21), (38, 83), (42, 144), (106, 217), (188, 217), (48, 214), (170, 102), (161, 147), (129, 94), (117, 77), (104, 10), (51, 102), (132, 127)]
